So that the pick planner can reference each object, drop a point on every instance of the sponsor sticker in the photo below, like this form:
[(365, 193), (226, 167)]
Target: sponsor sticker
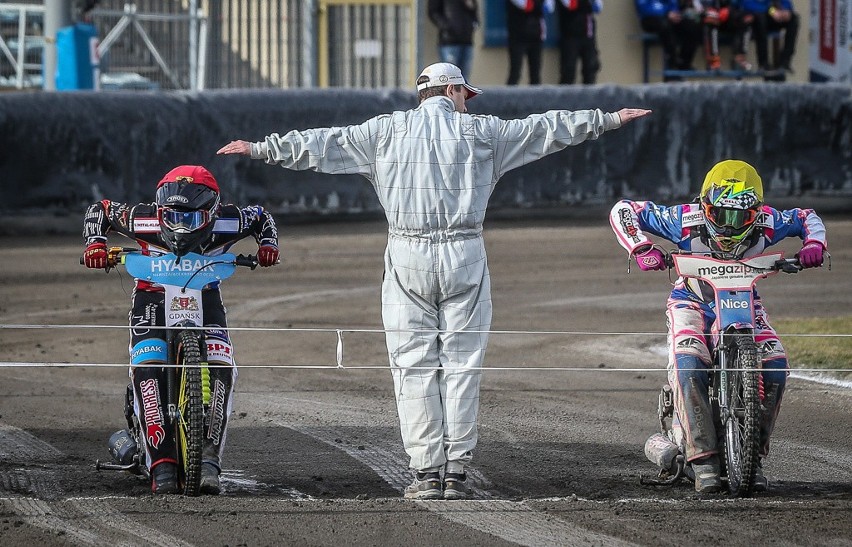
[(155, 433), (146, 225), (148, 350)]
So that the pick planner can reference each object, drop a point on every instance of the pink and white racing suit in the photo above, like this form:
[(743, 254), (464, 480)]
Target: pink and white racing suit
[(690, 312)]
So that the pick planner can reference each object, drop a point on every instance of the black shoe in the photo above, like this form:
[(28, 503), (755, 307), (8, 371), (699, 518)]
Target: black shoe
[(164, 479), (455, 487), (209, 479)]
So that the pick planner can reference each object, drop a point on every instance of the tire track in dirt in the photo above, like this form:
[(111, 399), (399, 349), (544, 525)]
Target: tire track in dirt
[(511, 521), (30, 488)]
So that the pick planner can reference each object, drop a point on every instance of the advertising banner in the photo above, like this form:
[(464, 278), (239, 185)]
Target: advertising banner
[(831, 41)]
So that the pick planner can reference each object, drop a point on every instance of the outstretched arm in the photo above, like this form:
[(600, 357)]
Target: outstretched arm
[(349, 150), (525, 140)]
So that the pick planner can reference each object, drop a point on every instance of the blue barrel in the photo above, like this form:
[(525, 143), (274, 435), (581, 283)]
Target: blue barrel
[(77, 65)]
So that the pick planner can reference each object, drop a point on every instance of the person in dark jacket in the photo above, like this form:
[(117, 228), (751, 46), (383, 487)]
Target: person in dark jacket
[(526, 28), (578, 39), (677, 23), (773, 16), (456, 21)]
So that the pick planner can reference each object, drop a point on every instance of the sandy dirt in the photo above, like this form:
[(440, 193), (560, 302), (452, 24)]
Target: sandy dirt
[(314, 455)]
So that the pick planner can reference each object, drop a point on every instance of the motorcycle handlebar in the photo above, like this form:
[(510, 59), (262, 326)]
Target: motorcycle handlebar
[(249, 261), (114, 253), (786, 265)]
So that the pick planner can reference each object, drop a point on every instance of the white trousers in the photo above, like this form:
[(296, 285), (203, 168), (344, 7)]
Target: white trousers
[(436, 303)]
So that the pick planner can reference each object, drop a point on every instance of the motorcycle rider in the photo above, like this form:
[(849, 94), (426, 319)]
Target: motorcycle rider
[(186, 216), (730, 220)]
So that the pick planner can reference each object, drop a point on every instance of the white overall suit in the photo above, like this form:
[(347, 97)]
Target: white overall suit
[(434, 170)]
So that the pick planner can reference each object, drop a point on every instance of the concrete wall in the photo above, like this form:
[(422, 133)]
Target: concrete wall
[(61, 151)]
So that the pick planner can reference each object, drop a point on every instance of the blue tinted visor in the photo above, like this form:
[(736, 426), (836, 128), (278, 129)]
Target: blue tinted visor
[(183, 221)]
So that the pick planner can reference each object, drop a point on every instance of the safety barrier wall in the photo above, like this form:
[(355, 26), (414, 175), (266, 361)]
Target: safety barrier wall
[(61, 151)]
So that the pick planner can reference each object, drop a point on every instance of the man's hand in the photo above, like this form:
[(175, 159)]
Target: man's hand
[(811, 255), (628, 114), (780, 15), (267, 255), (236, 147), (95, 256)]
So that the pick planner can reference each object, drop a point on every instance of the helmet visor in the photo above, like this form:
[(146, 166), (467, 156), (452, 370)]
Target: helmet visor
[(725, 217), (183, 221)]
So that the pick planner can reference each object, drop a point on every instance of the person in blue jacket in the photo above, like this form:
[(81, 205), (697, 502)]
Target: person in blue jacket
[(731, 221)]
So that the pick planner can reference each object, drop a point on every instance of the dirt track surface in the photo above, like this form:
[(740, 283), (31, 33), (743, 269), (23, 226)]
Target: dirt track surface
[(314, 455)]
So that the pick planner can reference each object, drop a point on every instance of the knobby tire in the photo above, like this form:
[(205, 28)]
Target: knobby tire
[(190, 426), (742, 427)]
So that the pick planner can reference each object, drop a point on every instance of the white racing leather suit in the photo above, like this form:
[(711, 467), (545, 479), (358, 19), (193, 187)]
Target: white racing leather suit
[(691, 312), (434, 170)]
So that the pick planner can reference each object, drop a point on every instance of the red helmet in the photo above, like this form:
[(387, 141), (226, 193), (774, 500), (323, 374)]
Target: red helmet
[(187, 205)]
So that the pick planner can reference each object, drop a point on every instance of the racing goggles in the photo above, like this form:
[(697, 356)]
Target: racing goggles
[(725, 217), (183, 221)]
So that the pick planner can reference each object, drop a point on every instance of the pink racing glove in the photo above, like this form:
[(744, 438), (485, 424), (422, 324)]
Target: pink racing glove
[(267, 255), (811, 255), (652, 259)]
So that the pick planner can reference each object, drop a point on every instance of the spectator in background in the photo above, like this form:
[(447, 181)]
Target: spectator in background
[(456, 21), (677, 23), (773, 16), (725, 16), (527, 32), (577, 39)]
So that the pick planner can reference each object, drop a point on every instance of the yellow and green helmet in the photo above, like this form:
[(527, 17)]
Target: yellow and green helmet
[(731, 198)]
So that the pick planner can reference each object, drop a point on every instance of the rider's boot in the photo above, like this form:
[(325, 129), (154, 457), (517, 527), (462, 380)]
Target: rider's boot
[(164, 479), (210, 479), (210, 468), (707, 475)]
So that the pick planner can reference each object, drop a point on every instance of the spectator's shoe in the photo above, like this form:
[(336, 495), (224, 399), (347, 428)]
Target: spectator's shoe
[(426, 486), (761, 484), (707, 479), (740, 62), (455, 487), (209, 479), (164, 479), (714, 62)]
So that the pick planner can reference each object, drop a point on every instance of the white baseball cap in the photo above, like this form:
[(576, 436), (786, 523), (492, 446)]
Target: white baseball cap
[(441, 74)]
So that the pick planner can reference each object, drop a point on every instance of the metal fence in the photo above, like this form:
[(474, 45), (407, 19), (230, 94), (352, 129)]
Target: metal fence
[(214, 44), (21, 44)]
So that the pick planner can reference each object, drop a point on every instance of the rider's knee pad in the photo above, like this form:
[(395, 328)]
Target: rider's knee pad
[(770, 349), (691, 345)]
